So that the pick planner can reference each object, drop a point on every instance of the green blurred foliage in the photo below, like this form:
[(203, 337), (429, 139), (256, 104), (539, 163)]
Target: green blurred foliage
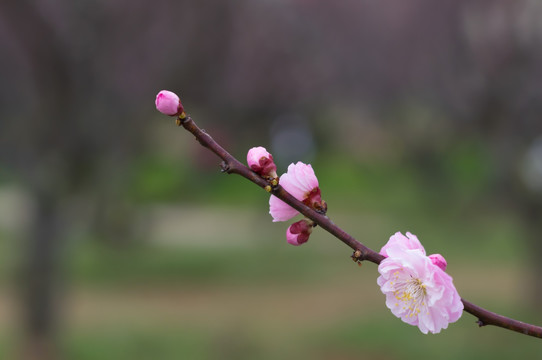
[(157, 179), (371, 199)]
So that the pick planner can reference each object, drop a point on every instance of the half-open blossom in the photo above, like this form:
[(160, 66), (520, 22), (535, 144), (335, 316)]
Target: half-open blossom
[(416, 287), (261, 162), (301, 182), (298, 233), (168, 103)]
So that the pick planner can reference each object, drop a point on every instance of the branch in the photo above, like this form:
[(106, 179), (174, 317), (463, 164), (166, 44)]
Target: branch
[(231, 165)]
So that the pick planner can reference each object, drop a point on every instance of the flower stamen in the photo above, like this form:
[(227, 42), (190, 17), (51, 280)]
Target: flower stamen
[(411, 294)]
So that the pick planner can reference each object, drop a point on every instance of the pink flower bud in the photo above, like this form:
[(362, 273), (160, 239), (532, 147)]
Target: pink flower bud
[(298, 233), (168, 103), (439, 261), (261, 162)]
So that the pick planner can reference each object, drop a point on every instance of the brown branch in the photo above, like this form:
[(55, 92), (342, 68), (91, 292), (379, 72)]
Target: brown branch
[(486, 317), (361, 252)]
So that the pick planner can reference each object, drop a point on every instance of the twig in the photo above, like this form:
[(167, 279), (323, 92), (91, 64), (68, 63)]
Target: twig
[(361, 252)]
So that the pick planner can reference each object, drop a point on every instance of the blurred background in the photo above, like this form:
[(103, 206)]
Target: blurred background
[(120, 239)]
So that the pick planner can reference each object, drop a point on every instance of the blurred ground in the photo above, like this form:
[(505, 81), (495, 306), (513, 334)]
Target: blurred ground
[(218, 281)]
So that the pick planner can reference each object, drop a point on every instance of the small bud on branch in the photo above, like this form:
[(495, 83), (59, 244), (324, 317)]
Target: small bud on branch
[(298, 233), (168, 103), (261, 162)]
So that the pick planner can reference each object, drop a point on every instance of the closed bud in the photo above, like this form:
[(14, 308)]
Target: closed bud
[(261, 162), (298, 233), (168, 103), (439, 261)]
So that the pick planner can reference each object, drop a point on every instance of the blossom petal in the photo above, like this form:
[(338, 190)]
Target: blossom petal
[(291, 184), (279, 210), (305, 175), (399, 240)]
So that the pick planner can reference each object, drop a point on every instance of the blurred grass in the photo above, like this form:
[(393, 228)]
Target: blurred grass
[(383, 338), (99, 265)]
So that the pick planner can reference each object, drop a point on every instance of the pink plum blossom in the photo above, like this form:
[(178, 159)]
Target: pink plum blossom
[(416, 287), (301, 182), (261, 162), (298, 233), (168, 103)]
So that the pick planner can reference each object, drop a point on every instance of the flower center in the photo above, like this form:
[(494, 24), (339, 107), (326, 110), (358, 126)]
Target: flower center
[(410, 294)]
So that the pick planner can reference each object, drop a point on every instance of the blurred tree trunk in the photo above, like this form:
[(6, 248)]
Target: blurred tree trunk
[(40, 276), (69, 122), (42, 169)]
